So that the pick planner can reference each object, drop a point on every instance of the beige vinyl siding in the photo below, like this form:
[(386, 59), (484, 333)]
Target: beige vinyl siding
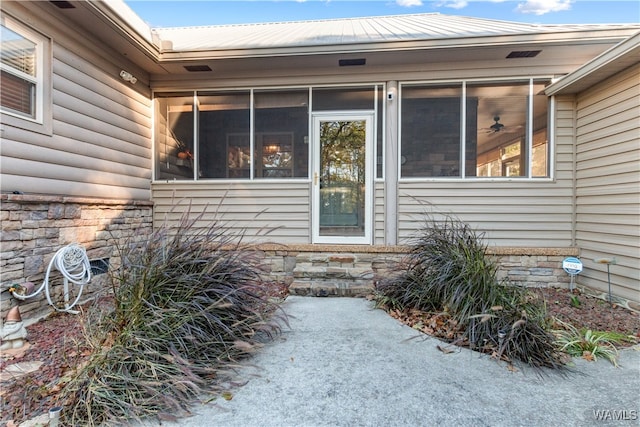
[(608, 194), (276, 212), (101, 140), (512, 213), (524, 215)]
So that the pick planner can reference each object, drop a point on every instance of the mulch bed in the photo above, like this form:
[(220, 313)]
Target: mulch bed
[(57, 343), (589, 312)]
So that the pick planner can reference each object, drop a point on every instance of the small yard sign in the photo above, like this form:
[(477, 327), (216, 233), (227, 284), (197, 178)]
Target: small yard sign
[(572, 265)]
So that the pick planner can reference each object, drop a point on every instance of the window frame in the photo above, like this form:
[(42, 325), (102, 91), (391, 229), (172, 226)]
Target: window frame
[(42, 122), (532, 81), (376, 87)]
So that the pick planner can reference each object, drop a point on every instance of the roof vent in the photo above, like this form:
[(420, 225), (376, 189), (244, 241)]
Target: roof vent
[(197, 68), (62, 4), (352, 62), (524, 54)]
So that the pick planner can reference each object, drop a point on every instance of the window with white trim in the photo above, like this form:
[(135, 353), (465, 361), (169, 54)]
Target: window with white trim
[(22, 71), (248, 134), (475, 130)]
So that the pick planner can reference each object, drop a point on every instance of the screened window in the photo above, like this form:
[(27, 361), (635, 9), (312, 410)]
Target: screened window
[(174, 136), (334, 99), (380, 134), (216, 143), (21, 71), (540, 134), (280, 138), (355, 98), (499, 139), (430, 131), (224, 120), (248, 134), (505, 130)]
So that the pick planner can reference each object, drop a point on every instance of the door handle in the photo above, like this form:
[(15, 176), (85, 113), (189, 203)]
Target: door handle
[(315, 178)]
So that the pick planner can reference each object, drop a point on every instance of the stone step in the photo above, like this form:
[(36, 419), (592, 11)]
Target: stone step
[(345, 280), (332, 273), (328, 288)]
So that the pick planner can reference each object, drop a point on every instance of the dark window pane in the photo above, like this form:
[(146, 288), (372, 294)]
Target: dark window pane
[(17, 94), (281, 121), (540, 154), (224, 144), (174, 136), (334, 99), (496, 129), (380, 134), (430, 135)]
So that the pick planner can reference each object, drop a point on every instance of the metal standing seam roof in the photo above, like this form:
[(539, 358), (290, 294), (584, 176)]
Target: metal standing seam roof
[(397, 28)]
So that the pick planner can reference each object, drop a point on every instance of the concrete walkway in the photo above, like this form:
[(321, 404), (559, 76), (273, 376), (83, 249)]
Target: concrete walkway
[(343, 363)]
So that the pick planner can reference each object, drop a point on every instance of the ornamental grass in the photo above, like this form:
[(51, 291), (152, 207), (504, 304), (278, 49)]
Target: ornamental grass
[(448, 271), (189, 303)]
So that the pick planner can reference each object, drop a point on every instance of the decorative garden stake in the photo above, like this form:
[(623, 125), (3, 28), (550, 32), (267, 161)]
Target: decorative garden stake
[(607, 261)]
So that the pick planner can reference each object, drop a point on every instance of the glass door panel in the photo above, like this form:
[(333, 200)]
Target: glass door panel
[(341, 179)]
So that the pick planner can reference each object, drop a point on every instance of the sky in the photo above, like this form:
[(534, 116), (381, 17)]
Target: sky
[(174, 13)]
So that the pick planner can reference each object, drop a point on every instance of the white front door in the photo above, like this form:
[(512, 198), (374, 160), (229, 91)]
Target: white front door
[(342, 178)]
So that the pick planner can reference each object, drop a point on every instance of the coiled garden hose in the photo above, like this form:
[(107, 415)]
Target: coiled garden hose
[(72, 262)]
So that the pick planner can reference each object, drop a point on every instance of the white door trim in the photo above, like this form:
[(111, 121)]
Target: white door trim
[(368, 118)]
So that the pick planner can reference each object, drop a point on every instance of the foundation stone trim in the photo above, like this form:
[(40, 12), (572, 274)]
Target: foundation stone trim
[(35, 226), (353, 270)]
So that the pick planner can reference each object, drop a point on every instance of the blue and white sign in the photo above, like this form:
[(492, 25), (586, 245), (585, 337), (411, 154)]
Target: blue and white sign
[(572, 265)]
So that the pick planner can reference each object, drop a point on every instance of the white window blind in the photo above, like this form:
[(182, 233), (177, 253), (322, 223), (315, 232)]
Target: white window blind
[(20, 77)]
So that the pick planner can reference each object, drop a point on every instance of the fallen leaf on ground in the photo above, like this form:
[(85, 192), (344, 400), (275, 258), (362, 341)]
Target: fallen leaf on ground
[(586, 355)]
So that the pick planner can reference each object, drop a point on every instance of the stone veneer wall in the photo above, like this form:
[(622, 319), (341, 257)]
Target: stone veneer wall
[(352, 270), (34, 227), (534, 267)]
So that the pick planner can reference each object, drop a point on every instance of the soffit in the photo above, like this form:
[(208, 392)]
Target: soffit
[(448, 63), (611, 62), (122, 32)]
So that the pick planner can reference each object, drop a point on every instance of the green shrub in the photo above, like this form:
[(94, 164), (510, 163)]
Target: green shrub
[(589, 344), (189, 302), (447, 269)]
